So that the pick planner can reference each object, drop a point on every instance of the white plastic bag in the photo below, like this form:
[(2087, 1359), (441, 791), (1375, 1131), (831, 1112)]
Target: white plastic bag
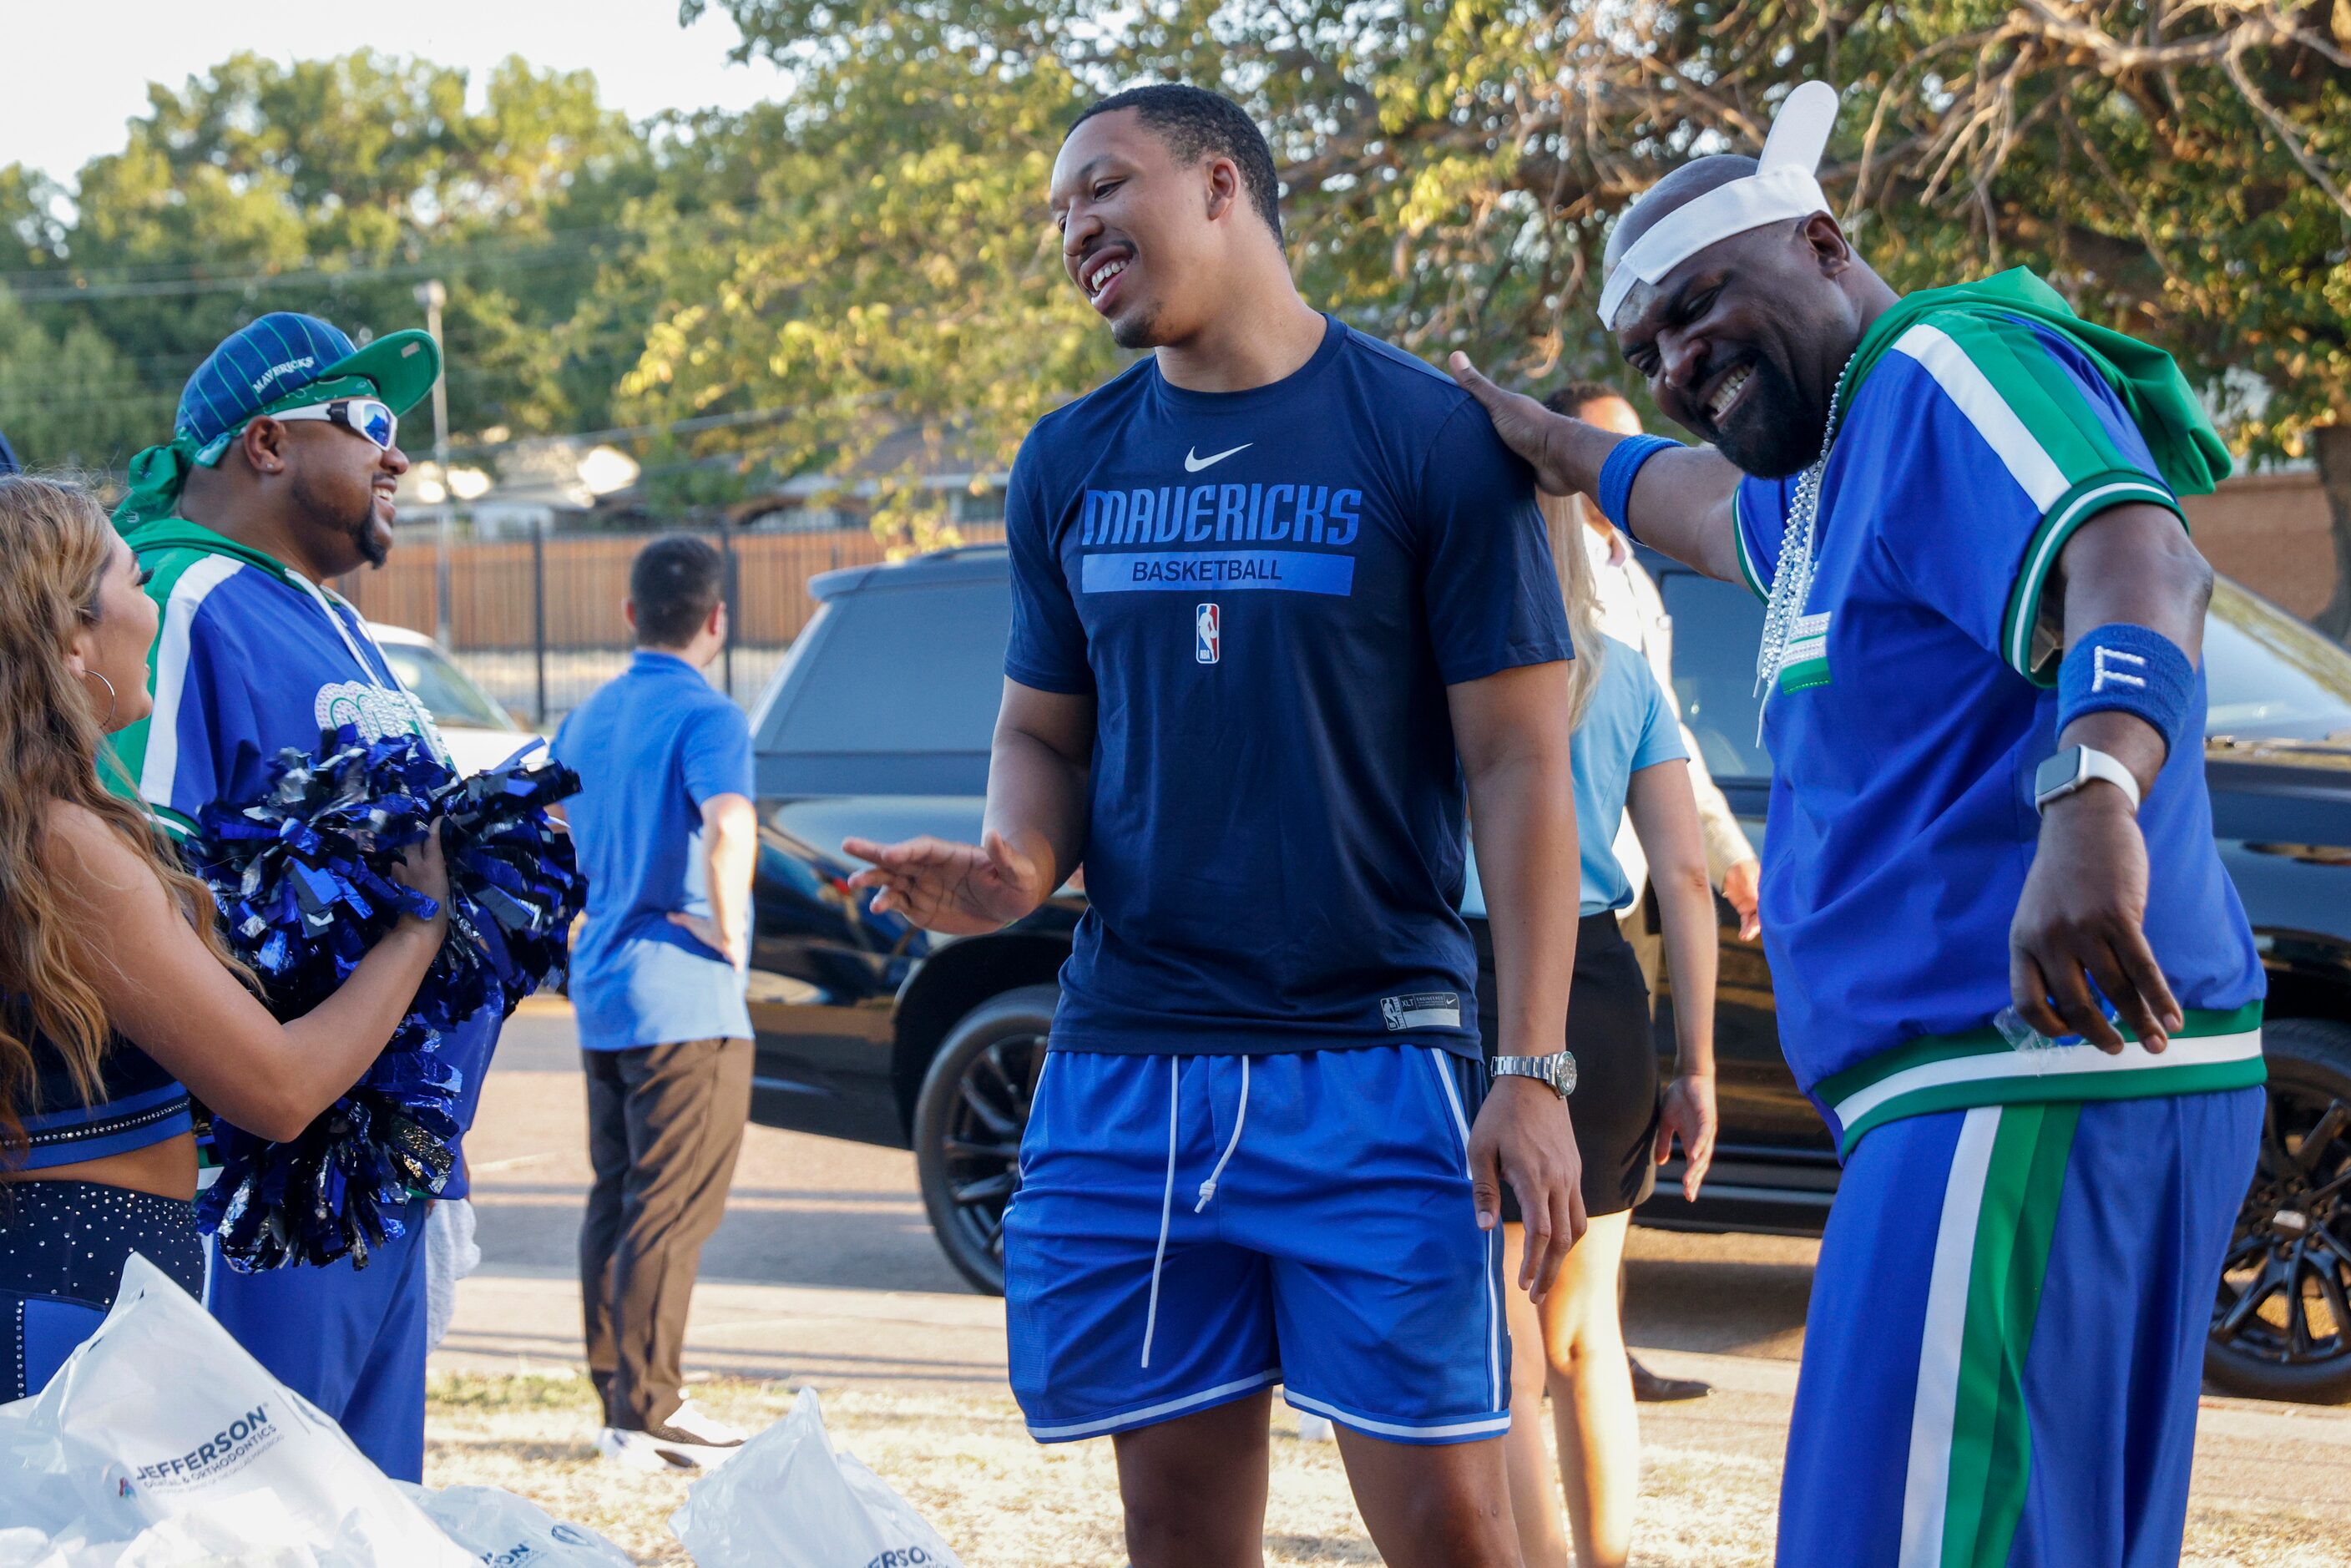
[(790, 1500), (50, 1487), (162, 1416), (245, 1533), (499, 1527)]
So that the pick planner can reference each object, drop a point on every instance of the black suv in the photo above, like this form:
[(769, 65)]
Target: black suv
[(878, 724)]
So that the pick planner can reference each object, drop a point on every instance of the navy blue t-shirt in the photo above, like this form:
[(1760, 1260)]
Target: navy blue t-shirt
[(1268, 593)]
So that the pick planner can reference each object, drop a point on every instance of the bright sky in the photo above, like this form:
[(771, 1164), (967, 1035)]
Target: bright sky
[(81, 68)]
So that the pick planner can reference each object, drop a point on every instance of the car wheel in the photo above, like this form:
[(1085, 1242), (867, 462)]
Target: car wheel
[(2282, 1326), (968, 1118)]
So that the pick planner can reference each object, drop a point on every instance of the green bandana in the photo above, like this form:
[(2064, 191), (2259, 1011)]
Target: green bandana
[(159, 474)]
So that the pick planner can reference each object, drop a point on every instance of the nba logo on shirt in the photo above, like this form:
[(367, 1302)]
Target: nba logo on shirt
[(1208, 634)]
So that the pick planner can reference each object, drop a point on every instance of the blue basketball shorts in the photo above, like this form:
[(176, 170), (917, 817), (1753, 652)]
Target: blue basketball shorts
[(1190, 1230), (2006, 1336)]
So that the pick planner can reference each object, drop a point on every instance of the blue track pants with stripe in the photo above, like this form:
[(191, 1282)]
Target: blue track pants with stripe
[(350, 1341), (2006, 1336)]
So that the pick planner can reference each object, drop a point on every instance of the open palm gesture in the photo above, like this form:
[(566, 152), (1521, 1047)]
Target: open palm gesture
[(962, 890)]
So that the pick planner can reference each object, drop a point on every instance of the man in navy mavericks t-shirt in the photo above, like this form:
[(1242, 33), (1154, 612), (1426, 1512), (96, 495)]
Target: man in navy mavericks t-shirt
[(1283, 607)]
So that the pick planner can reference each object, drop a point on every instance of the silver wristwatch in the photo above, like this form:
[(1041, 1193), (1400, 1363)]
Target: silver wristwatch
[(1557, 1069)]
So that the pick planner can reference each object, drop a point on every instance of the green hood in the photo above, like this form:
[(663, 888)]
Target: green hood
[(2188, 452), (178, 533)]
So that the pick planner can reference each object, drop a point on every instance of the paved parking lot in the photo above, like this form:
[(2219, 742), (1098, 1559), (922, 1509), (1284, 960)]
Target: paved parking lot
[(825, 1272)]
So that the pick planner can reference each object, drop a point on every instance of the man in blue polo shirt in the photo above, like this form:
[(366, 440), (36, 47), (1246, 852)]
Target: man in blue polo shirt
[(666, 836), (2011, 972), (1282, 606)]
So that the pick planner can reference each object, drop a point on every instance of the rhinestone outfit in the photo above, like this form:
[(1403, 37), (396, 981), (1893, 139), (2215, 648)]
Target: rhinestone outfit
[(62, 1243)]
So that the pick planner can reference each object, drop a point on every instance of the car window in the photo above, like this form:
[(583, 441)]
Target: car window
[(443, 687), (1717, 626), (913, 669), (2269, 676)]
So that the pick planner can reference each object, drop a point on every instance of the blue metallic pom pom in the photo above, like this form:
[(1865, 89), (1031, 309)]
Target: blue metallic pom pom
[(303, 877)]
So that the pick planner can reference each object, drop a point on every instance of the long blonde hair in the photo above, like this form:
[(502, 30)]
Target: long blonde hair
[(1582, 597), (54, 540)]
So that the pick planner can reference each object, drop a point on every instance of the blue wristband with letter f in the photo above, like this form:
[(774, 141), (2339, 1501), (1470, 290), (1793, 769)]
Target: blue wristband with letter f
[(2133, 669)]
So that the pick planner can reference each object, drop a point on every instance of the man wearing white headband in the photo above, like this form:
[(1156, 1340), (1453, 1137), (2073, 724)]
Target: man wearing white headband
[(2010, 970)]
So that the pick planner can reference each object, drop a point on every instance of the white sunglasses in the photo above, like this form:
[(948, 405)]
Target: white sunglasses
[(366, 415)]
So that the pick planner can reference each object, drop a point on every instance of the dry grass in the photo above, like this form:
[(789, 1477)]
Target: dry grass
[(960, 1458), (1710, 1485)]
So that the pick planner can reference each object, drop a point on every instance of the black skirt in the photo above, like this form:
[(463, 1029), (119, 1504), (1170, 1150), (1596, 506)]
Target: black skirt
[(1617, 1097)]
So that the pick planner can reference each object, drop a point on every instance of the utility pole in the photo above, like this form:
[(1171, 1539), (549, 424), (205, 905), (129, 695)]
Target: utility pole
[(433, 296)]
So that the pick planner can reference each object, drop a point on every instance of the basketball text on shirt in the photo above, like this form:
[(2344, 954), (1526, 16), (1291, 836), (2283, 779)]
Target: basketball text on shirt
[(1292, 512)]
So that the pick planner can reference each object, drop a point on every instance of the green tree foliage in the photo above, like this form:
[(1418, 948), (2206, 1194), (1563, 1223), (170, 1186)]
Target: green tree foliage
[(877, 294), (336, 186), (60, 396), (862, 282), (2177, 167), (2183, 171)]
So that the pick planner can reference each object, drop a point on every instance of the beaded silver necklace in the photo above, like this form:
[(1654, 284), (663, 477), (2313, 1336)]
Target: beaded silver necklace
[(1792, 585)]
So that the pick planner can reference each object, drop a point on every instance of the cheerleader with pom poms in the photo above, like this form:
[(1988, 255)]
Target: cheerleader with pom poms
[(117, 996)]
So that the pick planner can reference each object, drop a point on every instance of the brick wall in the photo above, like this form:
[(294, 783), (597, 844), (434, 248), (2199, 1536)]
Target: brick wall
[(2270, 532)]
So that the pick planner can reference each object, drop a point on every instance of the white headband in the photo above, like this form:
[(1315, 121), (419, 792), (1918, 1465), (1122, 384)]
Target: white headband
[(1781, 187)]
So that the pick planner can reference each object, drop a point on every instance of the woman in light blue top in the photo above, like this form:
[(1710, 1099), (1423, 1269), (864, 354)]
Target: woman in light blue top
[(1629, 755)]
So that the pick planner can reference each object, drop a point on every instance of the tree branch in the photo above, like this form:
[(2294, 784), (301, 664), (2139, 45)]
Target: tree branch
[(2284, 129)]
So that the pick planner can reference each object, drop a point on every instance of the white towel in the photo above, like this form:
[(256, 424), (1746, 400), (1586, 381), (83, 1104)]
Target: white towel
[(449, 1256)]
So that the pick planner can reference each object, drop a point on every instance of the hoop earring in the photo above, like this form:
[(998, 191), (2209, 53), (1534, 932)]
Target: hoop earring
[(110, 698)]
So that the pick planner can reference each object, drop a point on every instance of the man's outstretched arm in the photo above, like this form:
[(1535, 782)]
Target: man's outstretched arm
[(1512, 733), (1034, 832), (1680, 504)]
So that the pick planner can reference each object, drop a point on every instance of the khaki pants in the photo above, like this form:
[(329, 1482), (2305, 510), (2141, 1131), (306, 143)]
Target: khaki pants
[(665, 1124)]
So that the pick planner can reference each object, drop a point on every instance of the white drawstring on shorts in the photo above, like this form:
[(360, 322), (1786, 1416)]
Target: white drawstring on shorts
[(1167, 1196), (1209, 1187), (1166, 1208)]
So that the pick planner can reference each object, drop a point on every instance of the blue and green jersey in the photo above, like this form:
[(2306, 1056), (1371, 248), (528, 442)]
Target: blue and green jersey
[(250, 658), (1917, 697)]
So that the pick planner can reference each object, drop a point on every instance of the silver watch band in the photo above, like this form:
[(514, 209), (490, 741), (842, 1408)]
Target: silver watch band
[(1557, 1069)]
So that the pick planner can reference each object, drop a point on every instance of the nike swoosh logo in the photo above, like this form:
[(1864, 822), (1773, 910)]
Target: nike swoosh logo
[(1193, 464)]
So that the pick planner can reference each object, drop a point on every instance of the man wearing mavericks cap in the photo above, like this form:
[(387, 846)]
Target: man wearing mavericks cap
[(278, 479), (2010, 971)]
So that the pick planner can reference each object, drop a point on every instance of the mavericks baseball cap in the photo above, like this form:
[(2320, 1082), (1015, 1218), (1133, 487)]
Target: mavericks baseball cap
[(265, 363), (283, 361)]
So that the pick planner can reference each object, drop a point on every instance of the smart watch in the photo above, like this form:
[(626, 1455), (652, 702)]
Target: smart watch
[(1557, 1069), (2076, 767)]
